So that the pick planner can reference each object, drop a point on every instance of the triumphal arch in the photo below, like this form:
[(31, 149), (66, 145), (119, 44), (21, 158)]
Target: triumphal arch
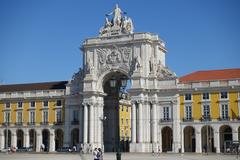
[(118, 54)]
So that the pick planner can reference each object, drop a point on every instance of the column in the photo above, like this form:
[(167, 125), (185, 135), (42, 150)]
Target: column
[(85, 133), (26, 139), (175, 115), (217, 141), (133, 117), (52, 141), (14, 139), (100, 125), (91, 125), (198, 141), (182, 139), (235, 134), (67, 123), (2, 140), (154, 121), (39, 141), (140, 123), (81, 124)]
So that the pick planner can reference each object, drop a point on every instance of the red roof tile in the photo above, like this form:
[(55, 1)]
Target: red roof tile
[(211, 75), (33, 86)]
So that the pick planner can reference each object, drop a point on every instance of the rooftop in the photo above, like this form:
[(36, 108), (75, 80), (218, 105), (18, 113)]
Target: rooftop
[(211, 75), (33, 86)]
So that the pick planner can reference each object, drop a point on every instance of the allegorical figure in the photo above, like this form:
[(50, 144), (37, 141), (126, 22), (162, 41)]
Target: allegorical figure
[(117, 16)]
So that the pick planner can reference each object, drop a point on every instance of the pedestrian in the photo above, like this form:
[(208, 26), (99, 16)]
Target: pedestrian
[(95, 154), (42, 147), (100, 154)]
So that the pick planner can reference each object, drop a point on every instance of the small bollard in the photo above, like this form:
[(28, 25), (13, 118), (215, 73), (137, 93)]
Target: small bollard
[(118, 155)]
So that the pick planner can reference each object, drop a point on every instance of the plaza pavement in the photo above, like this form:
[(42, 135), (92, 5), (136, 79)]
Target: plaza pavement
[(112, 156)]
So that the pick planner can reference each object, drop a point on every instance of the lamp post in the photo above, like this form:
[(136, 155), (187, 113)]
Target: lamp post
[(120, 85), (103, 118)]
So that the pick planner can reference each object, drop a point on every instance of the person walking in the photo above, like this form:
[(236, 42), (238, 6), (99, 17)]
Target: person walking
[(95, 154), (100, 154)]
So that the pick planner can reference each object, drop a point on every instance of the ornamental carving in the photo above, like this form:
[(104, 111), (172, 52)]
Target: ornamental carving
[(113, 57)]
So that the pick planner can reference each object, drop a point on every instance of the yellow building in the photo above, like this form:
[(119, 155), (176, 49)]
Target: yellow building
[(210, 110), (125, 124), (31, 114)]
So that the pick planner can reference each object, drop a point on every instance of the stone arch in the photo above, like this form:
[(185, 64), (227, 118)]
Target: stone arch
[(189, 139), (7, 139), (225, 133), (20, 138), (59, 135), (167, 139), (102, 78), (75, 137), (207, 136), (32, 139), (46, 139)]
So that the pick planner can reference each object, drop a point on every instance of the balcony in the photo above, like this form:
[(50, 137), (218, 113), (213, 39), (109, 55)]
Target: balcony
[(19, 123), (224, 118), (206, 118), (165, 120), (188, 119), (58, 123), (44, 123), (31, 123), (75, 122)]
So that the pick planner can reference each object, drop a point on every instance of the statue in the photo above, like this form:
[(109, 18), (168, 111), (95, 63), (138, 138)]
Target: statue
[(117, 16), (106, 27), (127, 25)]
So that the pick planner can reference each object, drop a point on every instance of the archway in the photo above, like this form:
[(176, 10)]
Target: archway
[(189, 139), (7, 139), (58, 139), (20, 138), (32, 139), (225, 137), (207, 139), (167, 139), (114, 86), (46, 139), (238, 133), (75, 137)]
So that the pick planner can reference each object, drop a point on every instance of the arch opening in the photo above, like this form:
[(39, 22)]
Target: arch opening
[(46, 139), (32, 139), (58, 139), (189, 139), (167, 139), (7, 139), (225, 137), (20, 138), (207, 139)]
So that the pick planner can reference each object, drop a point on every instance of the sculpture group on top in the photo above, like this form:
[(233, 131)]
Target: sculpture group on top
[(119, 24)]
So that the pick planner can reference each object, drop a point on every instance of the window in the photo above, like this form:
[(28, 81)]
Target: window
[(165, 113), (224, 109), (126, 108), (122, 108), (45, 103), (224, 95), (59, 102), (20, 104), (45, 116), (122, 121), (188, 97), (7, 105), (6, 117), (188, 112), (58, 115), (75, 115), (32, 117), (205, 96), (206, 110), (127, 121), (33, 104), (19, 117)]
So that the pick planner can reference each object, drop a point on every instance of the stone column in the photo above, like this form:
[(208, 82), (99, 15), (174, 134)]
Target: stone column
[(26, 139), (175, 115), (52, 141), (2, 141), (235, 134), (198, 141), (217, 141), (85, 130), (14, 139), (182, 139), (81, 124), (39, 140), (133, 117), (100, 125), (67, 123), (154, 122), (91, 125), (140, 123)]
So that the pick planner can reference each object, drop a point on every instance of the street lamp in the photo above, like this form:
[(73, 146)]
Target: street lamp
[(103, 118)]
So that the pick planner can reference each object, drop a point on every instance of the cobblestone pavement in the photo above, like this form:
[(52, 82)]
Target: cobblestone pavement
[(112, 156)]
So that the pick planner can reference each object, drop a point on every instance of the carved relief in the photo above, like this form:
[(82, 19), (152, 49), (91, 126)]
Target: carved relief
[(113, 57)]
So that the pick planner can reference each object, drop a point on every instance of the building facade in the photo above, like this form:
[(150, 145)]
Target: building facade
[(194, 113)]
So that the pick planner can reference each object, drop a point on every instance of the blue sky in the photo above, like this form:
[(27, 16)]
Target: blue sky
[(40, 39)]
